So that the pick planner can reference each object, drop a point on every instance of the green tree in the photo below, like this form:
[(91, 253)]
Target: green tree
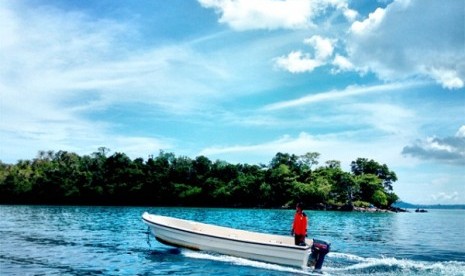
[(364, 166), (371, 190), (280, 179), (67, 178), (345, 188), (314, 194), (305, 166), (379, 199), (309, 159), (122, 178)]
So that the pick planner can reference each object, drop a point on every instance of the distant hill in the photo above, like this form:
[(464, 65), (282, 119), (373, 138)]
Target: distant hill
[(405, 205)]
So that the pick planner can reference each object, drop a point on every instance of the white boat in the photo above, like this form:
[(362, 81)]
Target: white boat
[(269, 248)]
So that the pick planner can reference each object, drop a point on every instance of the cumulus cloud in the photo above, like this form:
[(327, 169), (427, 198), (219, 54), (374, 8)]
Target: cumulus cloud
[(273, 14), (299, 62), (323, 46), (406, 39), (261, 14), (447, 78), (371, 23), (411, 38), (461, 132), (342, 64), (450, 150)]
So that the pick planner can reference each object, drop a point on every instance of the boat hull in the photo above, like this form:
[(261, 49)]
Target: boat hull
[(245, 244)]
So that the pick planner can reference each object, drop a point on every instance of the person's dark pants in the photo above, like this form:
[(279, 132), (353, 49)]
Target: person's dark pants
[(299, 240)]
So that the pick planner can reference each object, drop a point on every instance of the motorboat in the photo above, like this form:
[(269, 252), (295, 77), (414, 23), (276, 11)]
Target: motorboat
[(270, 248)]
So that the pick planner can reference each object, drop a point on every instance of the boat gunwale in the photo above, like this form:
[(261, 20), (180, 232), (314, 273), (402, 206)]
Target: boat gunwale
[(293, 247)]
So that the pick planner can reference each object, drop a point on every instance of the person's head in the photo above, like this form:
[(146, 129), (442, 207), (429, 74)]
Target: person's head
[(299, 207)]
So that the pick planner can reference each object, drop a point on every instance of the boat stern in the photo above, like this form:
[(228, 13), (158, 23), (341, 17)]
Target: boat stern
[(319, 250)]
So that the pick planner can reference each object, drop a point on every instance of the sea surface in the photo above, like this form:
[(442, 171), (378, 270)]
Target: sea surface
[(75, 240)]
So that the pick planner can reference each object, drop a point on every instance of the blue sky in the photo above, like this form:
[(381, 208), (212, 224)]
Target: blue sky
[(240, 80)]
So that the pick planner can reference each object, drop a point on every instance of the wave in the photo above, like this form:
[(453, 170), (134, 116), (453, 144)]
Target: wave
[(245, 262), (356, 265), (348, 264)]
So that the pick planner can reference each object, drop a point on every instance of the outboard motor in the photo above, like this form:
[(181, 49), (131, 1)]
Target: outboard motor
[(319, 250)]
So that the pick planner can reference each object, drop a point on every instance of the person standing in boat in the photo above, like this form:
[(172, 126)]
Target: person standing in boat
[(299, 226)]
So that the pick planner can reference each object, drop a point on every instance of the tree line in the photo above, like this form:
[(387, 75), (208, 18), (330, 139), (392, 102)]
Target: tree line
[(167, 180)]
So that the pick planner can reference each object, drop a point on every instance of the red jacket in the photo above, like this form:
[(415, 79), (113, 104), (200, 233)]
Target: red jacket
[(300, 224)]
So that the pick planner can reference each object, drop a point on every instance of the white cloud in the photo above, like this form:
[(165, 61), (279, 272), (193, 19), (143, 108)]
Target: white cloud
[(335, 95), (371, 23), (342, 64), (136, 147), (351, 15), (341, 146), (297, 62), (411, 38), (262, 14), (398, 123), (54, 57), (323, 46), (273, 14), (59, 67), (343, 6), (448, 78), (449, 150), (299, 145), (461, 132), (451, 197)]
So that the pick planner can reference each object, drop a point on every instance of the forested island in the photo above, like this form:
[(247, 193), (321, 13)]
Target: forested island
[(168, 180)]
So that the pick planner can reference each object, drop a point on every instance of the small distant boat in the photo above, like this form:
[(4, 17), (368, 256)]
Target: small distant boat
[(269, 248), (418, 210)]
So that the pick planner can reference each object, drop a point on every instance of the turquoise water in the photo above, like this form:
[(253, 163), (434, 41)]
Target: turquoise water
[(53, 240)]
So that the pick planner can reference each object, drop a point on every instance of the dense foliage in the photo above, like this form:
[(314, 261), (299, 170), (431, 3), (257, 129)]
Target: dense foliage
[(166, 180)]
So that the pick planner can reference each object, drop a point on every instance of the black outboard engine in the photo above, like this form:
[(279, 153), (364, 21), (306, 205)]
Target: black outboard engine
[(319, 250)]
